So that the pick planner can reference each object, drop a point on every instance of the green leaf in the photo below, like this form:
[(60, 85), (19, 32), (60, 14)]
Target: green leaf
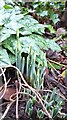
[(55, 66), (48, 106), (13, 25), (16, 17), (43, 13), (4, 37), (27, 42), (29, 107), (8, 7), (12, 44), (4, 58), (5, 16), (55, 111), (24, 31), (50, 27), (53, 94), (12, 58), (45, 44), (8, 31), (53, 16), (40, 114), (34, 100), (31, 25), (53, 45)]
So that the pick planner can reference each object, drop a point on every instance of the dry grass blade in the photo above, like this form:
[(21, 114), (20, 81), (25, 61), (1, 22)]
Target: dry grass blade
[(7, 109)]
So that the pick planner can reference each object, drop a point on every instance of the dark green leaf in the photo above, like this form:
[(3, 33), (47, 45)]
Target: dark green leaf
[(4, 58)]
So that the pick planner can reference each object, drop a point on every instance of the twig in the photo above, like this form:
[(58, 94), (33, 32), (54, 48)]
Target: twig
[(7, 109), (33, 90), (57, 63), (52, 66), (17, 116), (4, 103), (3, 71), (18, 97), (5, 85)]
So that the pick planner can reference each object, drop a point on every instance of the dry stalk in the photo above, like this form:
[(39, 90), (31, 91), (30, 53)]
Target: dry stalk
[(53, 66), (32, 89), (13, 100), (7, 109), (17, 116), (5, 85), (4, 103), (56, 63), (3, 71)]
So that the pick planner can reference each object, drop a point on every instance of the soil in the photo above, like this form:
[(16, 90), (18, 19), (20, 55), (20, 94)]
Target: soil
[(11, 115)]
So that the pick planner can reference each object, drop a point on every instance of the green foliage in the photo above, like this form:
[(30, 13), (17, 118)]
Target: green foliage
[(12, 19), (53, 16), (45, 9), (45, 44), (29, 40), (40, 114), (56, 66), (53, 104), (29, 106), (37, 42), (4, 58), (50, 28), (31, 25), (22, 42), (35, 66)]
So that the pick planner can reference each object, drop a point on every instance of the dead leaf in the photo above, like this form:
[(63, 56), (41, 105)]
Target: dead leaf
[(8, 93)]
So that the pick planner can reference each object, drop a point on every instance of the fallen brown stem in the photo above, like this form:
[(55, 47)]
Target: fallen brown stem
[(33, 90), (17, 116)]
